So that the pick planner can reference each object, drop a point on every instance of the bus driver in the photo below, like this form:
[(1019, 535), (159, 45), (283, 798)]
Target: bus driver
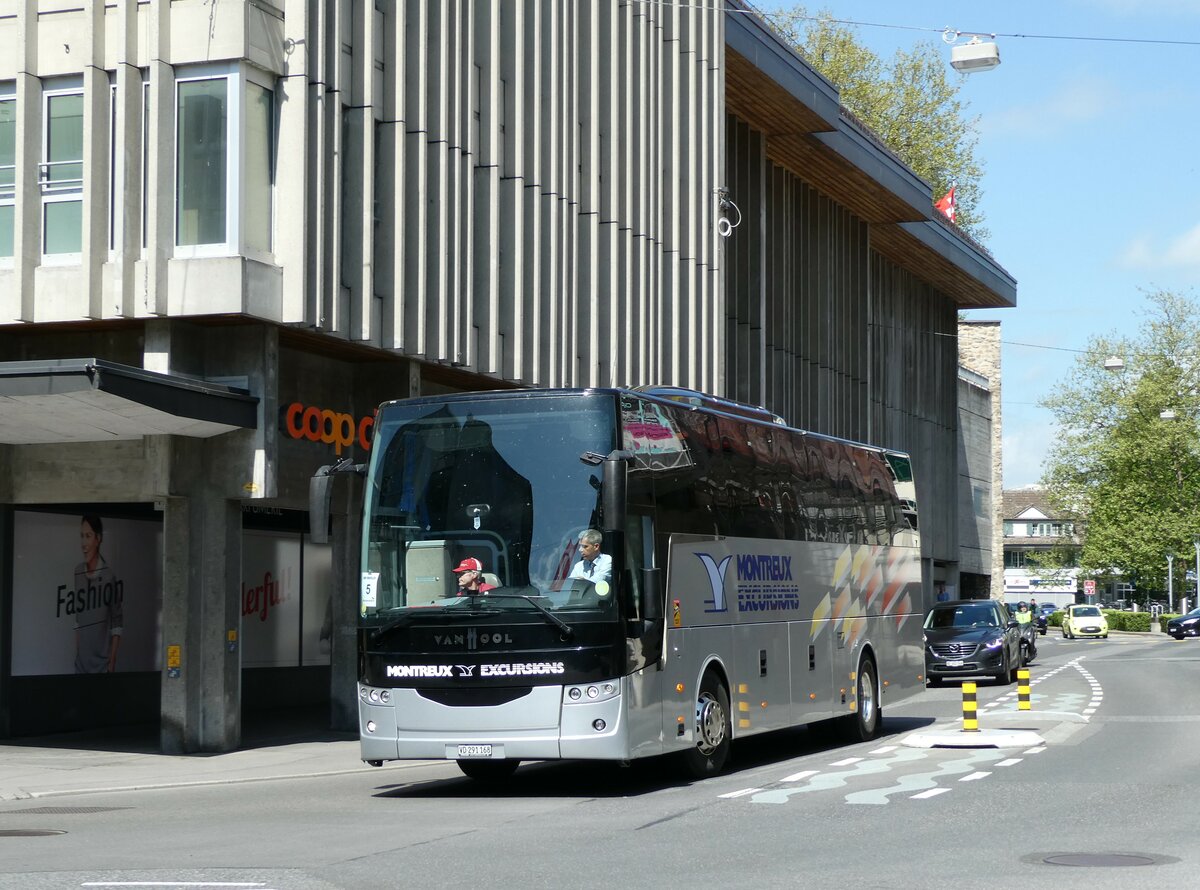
[(593, 565)]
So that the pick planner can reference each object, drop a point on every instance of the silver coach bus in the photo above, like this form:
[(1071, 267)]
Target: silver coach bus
[(753, 577)]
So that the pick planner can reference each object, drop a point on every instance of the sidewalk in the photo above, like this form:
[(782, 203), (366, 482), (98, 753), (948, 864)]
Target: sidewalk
[(79, 763)]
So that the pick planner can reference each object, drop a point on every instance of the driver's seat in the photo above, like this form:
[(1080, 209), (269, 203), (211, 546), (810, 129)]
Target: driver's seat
[(492, 580)]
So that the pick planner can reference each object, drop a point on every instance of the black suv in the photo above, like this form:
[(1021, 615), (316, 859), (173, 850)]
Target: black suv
[(966, 638)]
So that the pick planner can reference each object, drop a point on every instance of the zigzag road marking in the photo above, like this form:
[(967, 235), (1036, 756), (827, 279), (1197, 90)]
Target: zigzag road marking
[(826, 781), (922, 781)]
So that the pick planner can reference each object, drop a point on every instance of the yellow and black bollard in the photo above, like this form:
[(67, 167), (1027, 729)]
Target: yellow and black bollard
[(1023, 689), (970, 718)]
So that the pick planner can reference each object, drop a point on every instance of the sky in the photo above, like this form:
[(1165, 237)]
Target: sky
[(1090, 151)]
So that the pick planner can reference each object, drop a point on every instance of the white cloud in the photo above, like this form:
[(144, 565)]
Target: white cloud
[(1179, 252), (1074, 102)]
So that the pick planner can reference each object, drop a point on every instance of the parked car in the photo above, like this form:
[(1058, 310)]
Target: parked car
[(1084, 621), (1185, 625), (971, 637)]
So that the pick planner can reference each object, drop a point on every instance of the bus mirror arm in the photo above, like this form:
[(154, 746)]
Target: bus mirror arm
[(612, 494), (320, 492), (651, 595)]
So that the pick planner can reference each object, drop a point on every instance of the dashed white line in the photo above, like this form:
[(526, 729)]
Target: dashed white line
[(800, 777), (932, 792), (886, 749), (741, 793), (973, 777), (1012, 761), (847, 762)]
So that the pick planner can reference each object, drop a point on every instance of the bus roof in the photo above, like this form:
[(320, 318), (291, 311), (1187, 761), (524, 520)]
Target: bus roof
[(669, 395)]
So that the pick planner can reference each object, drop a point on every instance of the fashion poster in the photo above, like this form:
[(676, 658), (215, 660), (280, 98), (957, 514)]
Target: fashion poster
[(87, 594)]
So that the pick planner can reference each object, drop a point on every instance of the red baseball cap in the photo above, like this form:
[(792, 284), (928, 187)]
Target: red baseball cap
[(470, 564)]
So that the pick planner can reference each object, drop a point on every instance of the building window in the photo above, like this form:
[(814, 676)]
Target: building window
[(8, 168), (61, 173), (201, 146), (1014, 559), (224, 162), (260, 167)]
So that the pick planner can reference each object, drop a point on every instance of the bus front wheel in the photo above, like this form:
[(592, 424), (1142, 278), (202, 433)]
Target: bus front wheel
[(713, 732), (488, 770)]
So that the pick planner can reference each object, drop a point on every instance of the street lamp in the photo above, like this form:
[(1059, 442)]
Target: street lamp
[(1170, 582)]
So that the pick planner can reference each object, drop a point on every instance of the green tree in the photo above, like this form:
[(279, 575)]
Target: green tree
[(911, 104), (1125, 461)]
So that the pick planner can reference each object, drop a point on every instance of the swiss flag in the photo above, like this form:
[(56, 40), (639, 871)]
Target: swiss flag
[(946, 204)]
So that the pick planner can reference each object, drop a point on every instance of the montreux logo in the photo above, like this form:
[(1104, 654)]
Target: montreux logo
[(751, 567)]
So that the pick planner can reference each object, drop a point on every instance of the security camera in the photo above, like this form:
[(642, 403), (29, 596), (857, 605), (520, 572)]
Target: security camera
[(974, 56)]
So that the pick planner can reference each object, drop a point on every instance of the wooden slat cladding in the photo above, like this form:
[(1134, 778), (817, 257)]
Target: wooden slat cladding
[(787, 125), (765, 104), (906, 252)]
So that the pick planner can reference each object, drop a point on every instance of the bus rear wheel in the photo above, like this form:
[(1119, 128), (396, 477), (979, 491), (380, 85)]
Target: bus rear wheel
[(863, 724), (713, 731), (488, 770)]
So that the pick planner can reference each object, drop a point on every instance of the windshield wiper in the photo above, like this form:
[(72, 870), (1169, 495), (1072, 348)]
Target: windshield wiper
[(403, 619), (566, 629)]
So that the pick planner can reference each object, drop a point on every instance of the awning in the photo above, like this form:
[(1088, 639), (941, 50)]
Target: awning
[(93, 400)]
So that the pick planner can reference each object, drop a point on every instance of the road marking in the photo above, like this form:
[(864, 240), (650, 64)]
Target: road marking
[(974, 777), (1010, 762), (847, 762), (886, 749), (926, 780), (827, 781), (741, 793), (1038, 750), (799, 777), (932, 792), (172, 884)]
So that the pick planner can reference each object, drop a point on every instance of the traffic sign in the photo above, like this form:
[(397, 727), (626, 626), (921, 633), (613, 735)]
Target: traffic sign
[(1089, 588)]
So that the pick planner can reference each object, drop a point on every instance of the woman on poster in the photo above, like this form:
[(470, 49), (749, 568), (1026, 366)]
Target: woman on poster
[(98, 596)]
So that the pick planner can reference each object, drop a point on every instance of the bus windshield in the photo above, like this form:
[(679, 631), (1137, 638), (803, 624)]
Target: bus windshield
[(479, 505)]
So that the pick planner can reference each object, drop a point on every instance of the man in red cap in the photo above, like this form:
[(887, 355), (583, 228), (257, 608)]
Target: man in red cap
[(470, 576)]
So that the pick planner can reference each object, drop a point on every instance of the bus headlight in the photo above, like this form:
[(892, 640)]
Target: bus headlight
[(593, 692)]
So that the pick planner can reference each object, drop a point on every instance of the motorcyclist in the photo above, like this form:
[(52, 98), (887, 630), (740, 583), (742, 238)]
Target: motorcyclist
[(1028, 630)]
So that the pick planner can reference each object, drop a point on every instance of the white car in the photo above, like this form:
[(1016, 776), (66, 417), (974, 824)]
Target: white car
[(1084, 621)]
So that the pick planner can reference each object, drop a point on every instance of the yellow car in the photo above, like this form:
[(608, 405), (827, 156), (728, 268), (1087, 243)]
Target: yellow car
[(1084, 621)]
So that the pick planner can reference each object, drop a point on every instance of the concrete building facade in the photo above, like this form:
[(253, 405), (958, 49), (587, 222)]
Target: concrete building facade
[(229, 231), (979, 351)]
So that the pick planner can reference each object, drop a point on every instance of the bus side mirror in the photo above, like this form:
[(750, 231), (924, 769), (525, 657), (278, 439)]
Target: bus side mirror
[(320, 491), (651, 594)]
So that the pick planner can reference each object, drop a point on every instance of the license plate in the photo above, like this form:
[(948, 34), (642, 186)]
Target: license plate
[(474, 750), (954, 663)]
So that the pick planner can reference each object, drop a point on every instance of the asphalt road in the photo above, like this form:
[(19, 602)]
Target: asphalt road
[(1107, 800)]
